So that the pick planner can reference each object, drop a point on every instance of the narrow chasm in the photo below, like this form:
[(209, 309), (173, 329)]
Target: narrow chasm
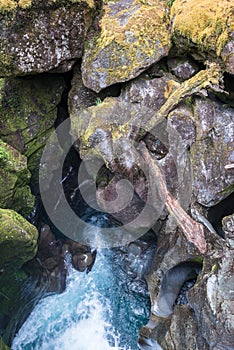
[(96, 297)]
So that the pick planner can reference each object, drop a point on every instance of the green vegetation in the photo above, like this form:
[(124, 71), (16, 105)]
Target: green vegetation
[(98, 101), (3, 154)]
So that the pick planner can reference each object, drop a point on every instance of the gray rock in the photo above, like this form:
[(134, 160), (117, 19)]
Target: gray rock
[(43, 36)]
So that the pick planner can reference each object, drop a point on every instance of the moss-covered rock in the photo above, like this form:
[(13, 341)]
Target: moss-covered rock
[(18, 240), (14, 178), (28, 109), (205, 26), (38, 36), (133, 35), (18, 244)]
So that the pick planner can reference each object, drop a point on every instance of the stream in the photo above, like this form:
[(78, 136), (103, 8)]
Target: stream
[(102, 310)]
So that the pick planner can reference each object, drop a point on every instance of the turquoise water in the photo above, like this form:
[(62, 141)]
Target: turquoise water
[(101, 310)]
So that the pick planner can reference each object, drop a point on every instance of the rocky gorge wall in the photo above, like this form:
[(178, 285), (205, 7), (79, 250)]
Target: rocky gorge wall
[(147, 87)]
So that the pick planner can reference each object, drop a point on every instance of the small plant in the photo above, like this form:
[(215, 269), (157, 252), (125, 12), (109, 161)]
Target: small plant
[(170, 2), (3, 154), (98, 101)]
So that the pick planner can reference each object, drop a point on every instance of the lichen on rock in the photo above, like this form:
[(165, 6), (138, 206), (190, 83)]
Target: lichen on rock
[(208, 25), (212, 150), (133, 35), (40, 36)]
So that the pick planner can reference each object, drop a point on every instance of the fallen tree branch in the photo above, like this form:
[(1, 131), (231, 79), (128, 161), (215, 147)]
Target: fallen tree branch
[(209, 78), (193, 230)]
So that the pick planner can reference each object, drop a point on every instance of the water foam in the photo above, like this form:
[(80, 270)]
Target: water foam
[(87, 316)]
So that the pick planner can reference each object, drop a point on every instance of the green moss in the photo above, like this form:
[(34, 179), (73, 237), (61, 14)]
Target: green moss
[(18, 244), (18, 240), (28, 109), (14, 178), (3, 155)]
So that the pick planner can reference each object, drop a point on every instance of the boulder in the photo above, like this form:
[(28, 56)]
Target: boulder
[(18, 244), (129, 37), (204, 28), (18, 239), (41, 36), (15, 192)]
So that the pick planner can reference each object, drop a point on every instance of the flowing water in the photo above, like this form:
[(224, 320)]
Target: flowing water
[(101, 310)]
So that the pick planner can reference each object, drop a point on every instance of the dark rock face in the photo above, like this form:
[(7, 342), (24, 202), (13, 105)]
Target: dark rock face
[(212, 151), (183, 68), (45, 37), (52, 253)]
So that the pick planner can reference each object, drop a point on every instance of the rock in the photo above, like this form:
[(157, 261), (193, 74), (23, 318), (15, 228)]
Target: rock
[(212, 297), (214, 38), (82, 261), (182, 67), (18, 244), (38, 37), (28, 111), (147, 92), (18, 239), (132, 36), (14, 178), (212, 150), (80, 97)]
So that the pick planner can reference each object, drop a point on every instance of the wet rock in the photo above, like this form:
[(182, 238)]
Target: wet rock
[(38, 37), (28, 111), (82, 261), (132, 36), (15, 192), (215, 35), (212, 150), (182, 67)]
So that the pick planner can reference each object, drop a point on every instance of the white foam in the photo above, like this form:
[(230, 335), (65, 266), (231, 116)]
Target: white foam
[(74, 320)]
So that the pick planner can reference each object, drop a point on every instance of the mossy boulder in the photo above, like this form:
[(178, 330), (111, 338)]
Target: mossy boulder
[(205, 27), (28, 109), (18, 244), (38, 36), (14, 178), (133, 35), (18, 240)]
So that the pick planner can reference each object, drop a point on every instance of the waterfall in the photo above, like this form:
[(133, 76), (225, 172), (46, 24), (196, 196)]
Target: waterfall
[(101, 310)]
